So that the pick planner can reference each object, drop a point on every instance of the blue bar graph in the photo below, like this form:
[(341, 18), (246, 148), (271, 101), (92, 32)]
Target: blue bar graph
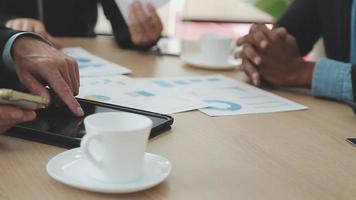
[(196, 80), (181, 82), (145, 93), (213, 79), (164, 84)]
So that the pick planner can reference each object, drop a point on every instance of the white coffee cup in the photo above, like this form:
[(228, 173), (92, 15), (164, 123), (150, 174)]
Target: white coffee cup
[(114, 146), (216, 48)]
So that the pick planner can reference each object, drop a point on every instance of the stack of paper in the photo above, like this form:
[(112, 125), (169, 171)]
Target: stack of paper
[(101, 81), (224, 96), (123, 91), (214, 95)]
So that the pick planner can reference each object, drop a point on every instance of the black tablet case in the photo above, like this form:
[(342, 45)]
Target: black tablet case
[(67, 131)]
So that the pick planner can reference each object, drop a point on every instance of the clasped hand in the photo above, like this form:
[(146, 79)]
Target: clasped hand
[(273, 56)]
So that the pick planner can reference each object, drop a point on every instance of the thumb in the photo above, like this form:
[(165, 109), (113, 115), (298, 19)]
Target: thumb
[(281, 32)]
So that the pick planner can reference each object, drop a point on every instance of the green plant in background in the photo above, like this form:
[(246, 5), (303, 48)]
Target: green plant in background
[(272, 7)]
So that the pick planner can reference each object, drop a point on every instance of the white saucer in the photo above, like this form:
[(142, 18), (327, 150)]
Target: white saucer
[(67, 168), (196, 60)]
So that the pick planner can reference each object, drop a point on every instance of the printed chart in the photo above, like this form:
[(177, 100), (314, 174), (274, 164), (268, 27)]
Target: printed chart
[(221, 105), (213, 95), (92, 65), (117, 81), (224, 96), (124, 91)]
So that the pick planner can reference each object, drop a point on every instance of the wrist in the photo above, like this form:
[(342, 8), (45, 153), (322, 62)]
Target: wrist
[(7, 55), (304, 75), (28, 41), (27, 45), (19, 46)]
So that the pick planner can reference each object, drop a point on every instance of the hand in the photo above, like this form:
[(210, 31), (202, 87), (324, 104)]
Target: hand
[(37, 62), (10, 116), (257, 39), (145, 26), (33, 25), (274, 56)]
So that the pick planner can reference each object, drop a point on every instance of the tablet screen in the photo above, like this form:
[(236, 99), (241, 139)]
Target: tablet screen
[(60, 122)]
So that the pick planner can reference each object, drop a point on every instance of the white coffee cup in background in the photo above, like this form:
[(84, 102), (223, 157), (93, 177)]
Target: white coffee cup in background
[(216, 48), (114, 146)]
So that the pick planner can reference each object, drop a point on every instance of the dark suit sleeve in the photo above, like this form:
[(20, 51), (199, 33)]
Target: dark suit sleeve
[(119, 26), (5, 35), (301, 20), (8, 78)]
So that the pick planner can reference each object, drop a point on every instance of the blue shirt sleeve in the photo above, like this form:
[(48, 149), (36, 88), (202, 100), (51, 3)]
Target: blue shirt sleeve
[(332, 80), (6, 54)]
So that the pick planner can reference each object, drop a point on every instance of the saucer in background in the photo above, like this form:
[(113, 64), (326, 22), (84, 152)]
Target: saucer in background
[(197, 60), (68, 168)]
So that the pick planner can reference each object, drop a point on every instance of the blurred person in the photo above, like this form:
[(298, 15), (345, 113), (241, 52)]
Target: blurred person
[(77, 18), (36, 64), (276, 56)]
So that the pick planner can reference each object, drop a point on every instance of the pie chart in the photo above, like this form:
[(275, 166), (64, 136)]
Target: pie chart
[(222, 105)]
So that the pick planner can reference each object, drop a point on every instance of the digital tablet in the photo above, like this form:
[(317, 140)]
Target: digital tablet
[(58, 126)]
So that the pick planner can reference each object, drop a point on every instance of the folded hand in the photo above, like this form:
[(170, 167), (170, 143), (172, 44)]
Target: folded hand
[(274, 56)]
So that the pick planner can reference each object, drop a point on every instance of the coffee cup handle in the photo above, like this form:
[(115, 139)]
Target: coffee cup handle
[(86, 141)]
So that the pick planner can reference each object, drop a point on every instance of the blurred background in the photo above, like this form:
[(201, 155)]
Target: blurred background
[(189, 19), (179, 13)]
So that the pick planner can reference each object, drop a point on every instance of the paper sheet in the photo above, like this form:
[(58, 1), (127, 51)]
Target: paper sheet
[(223, 95), (124, 5), (92, 65), (213, 95), (123, 91)]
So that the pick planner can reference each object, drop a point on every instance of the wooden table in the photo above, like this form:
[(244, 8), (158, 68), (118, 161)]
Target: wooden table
[(295, 155)]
